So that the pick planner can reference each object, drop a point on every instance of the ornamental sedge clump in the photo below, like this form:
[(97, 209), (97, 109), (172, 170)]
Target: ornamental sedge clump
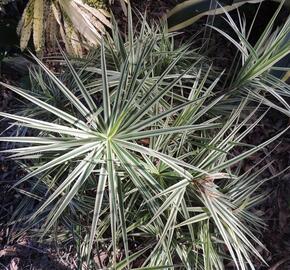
[(131, 153)]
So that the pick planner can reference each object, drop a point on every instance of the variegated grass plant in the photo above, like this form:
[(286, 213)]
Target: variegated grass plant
[(263, 71), (249, 73), (130, 155)]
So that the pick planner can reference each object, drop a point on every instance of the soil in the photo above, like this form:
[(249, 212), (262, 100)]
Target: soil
[(275, 210)]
